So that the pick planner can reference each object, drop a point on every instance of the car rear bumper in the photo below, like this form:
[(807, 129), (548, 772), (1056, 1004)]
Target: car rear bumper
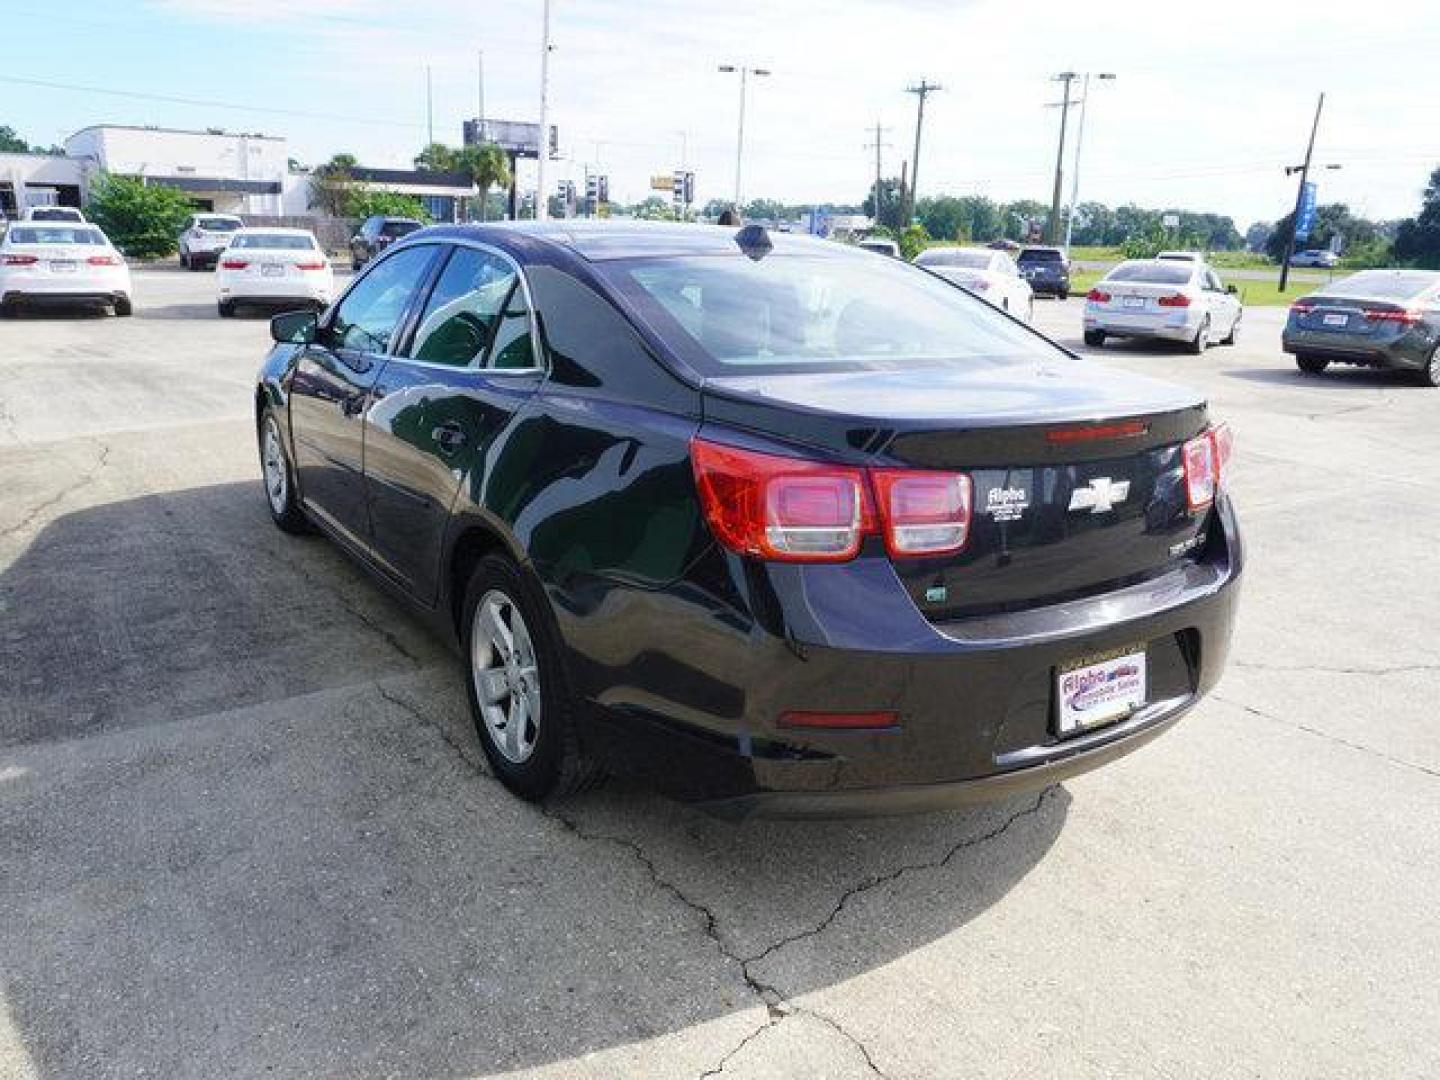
[(1179, 325), (276, 292), (1396, 351), (974, 700), (53, 298)]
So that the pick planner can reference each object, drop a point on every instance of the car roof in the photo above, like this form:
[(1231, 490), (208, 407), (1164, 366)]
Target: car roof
[(600, 241), (282, 231)]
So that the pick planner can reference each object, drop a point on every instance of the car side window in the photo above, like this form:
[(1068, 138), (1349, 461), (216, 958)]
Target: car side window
[(465, 309), (513, 346), (367, 318), (1212, 281)]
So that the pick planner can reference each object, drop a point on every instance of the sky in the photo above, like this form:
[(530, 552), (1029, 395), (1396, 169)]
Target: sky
[(1208, 105)]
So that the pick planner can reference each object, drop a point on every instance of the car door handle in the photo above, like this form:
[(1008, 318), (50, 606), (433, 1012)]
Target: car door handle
[(449, 437)]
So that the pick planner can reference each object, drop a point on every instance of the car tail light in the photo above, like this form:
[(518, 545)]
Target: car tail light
[(1405, 318), (923, 512), (20, 260), (1207, 462), (234, 264), (1100, 296), (310, 265), (1178, 299), (845, 720), (781, 508), (1301, 307), (103, 260)]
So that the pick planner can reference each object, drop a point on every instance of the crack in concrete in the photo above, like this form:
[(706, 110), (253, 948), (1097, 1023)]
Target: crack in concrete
[(1396, 669), (1297, 725), (63, 493), (436, 726)]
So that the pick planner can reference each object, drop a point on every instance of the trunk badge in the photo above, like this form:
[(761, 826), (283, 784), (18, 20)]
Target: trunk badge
[(1100, 495)]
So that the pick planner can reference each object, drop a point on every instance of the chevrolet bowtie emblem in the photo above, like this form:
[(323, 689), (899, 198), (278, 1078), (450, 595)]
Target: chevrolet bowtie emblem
[(1100, 495)]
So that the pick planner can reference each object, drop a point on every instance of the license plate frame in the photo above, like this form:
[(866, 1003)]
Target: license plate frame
[(1335, 319), (64, 266), (1095, 691), (1132, 301), (272, 270)]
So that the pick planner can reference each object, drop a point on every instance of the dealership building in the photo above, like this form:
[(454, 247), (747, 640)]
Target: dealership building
[(227, 172)]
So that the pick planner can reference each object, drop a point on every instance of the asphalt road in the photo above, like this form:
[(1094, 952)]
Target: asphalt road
[(245, 831)]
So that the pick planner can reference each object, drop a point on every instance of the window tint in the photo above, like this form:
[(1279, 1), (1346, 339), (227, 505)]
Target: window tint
[(972, 260), (398, 228), (55, 214), (1157, 273), (274, 242), (464, 308), (217, 224), (1212, 281), (54, 234), (1041, 255), (366, 319), (513, 346)]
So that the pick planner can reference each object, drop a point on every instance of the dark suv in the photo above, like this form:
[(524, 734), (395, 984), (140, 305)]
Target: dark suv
[(768, 521), (1047, 269), (376, 234)]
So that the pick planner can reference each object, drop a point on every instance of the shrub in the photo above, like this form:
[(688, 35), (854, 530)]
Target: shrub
[(913, 241), (363, 204), (142, 220)]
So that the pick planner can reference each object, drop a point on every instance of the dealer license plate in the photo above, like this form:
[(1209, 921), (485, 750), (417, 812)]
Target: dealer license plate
[(272, 271), (1097, 691), (63, 266), (1134, 301), (1336, 320)]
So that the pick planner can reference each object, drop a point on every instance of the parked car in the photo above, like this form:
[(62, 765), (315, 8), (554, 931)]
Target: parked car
[(769, 522), (376, 234), (990, 275), (881, 246), (1047, 270), (205, 236), (271, 267), (1315, 257), (1176, 300), (61, 264), (1376, 318), (54, 213)]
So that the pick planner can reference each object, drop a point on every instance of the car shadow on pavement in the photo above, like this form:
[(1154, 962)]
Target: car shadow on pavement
[(247, 830), (57, 312), (1337, 377)]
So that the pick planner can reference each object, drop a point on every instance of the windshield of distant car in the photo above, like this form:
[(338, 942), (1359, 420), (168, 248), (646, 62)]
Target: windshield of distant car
[(799, 312), (970, 260), (398, 228), (217, 224), (1045, 255), (1156, 273), (1383, 284), (53, 234), (274, 242), (54, 214)]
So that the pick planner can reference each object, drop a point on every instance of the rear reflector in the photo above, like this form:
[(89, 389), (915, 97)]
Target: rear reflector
[(1124, 429), (924, 513), (845, 720), (19, 260), (1178, 299), (234, 264), (1100, 296)]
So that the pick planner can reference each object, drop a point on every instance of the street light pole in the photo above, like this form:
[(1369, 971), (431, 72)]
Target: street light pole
[(1066, 77), (1079, 143), (542, 195), (745, 73), (1300, 196)]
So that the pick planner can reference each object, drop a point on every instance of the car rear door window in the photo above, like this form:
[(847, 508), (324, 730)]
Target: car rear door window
[(367, 318), (465, 309), (513, 347)]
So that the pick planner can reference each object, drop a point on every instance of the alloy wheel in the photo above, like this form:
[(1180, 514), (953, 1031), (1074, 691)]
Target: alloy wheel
[(506, 676), (277, 480)]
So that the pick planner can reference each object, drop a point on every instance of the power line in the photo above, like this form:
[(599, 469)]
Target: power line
[(878, 145)]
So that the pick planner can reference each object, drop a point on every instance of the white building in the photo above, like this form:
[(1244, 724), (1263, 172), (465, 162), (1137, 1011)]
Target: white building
[(40, 180), (218, 170)]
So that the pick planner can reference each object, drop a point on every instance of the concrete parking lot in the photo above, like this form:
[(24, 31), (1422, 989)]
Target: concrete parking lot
[(246, 830)]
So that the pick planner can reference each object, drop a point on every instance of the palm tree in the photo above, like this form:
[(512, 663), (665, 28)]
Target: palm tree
[(487, 165)]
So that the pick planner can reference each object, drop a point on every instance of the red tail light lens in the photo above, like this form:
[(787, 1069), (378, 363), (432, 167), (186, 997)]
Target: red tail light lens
[(103, 260), (310, 266), (20, 260), (781, 508), (1405, 318), (1207, 462), (1100, 296), (924, 513), (234, 264), (1178, 299), (1301, 307)]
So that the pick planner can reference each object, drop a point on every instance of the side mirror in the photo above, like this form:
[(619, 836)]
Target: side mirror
[(1232, 290), (294, 327)]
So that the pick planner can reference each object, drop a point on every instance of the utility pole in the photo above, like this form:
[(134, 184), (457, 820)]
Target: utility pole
[(1053, 232), (542, 194), (878, 144), (429, 108), (1079, 144), (745, 73), (1299, 195), (480, 88), (921, 91)]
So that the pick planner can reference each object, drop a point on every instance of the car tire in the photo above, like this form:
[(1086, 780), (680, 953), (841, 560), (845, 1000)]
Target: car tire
[(1201, 341), (1311, 365), (1063, 294), (124, 308), (1234, 335), (184, 260), (517, 686), (1429, 375), (1095, 338), (278, 478), (226, 308), (8, 311)]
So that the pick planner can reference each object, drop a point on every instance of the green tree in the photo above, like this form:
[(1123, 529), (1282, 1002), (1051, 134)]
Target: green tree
[(1023, 218), (488, 166), (142, 220), (343, 161), (913, 240), (889, 215), (330, 189), (437, 157), (1417, 240), (10, 143), (365, 202), (1331, 220)]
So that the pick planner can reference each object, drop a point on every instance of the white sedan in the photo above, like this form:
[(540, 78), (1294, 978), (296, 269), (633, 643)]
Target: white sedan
[(61, 263), (273, 268), (1158, 298), (988, 273)]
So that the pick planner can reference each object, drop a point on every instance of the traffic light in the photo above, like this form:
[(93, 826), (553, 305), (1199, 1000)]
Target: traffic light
[(602, 188)]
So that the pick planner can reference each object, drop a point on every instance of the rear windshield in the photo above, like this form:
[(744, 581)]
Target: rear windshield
[(56, 213), (725, 314), (274, 242), (1041, 255), (1157, 273), (1382, 284), (970, 260), (398, 228), (217, 224), (54, 234)]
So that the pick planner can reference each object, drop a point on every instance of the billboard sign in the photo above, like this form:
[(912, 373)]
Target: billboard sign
[(1305, 214), (517, 137)]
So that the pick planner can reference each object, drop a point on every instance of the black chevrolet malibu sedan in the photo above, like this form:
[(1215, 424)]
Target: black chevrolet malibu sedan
[(774, 524)]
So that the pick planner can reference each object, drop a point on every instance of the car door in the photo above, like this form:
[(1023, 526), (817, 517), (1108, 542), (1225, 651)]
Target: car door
[(470, 364), (1224, 308), (331, 385)]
